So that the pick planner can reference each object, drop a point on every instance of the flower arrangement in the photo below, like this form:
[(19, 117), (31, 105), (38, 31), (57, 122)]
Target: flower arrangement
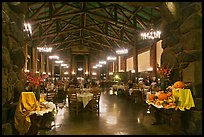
[(164, 71), (35, 79)]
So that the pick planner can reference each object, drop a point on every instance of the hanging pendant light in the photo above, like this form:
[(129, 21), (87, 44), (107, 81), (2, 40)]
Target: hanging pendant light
[(151, 33)]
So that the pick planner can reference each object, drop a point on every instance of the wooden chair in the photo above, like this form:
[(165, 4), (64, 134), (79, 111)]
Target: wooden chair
[(74, 105), (96, 99), (137, 96), (51, 96)]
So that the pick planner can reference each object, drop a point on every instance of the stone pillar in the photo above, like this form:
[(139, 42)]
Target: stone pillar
[(42, 62)]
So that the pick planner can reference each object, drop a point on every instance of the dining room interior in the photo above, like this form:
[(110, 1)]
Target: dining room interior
[(102, 68)]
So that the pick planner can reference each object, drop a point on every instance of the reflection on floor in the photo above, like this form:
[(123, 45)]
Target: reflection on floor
[(118, 116)]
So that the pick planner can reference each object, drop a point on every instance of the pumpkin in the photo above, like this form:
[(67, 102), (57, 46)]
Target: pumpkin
[(162, 96), (179, 84), (151, 96)]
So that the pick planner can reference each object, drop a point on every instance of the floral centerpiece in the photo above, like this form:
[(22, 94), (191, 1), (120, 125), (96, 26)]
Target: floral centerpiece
[(164, 73), (35, 79)]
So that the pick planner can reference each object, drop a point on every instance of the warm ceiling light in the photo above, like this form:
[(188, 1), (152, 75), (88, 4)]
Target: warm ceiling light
[(27, 28), (95, 67), (80, 69), (98, 65), (133, 71), (59, 61), (93, 73), (151, 34), (63, 65), (111, 58), (44, 49), (54, 57), (66, 73), (110, 73), (122, 51), (102, 62), (66, 66), (73, 73)]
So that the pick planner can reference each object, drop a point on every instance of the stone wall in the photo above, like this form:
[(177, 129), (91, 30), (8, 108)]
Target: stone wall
[(13, 58), (182, 45)]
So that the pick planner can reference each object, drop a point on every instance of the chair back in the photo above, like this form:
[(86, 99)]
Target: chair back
[(72, 100)]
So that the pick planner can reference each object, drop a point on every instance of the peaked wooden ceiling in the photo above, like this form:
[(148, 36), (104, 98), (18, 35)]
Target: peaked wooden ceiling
[(94, 26)]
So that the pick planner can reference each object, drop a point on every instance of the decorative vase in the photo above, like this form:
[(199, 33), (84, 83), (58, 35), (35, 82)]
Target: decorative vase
[(164, 83)]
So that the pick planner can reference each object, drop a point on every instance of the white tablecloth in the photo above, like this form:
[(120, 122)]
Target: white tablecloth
[(50, 108), (85, 97)]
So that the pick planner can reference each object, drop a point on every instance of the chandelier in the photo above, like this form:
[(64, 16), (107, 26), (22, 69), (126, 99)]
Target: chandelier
[(44, 49), (122, 51), (151, 34)]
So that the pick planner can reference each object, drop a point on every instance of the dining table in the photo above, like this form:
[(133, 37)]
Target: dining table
[(85, 97)]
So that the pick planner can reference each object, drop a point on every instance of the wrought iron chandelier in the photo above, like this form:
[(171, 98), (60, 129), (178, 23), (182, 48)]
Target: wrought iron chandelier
[(151, 33)]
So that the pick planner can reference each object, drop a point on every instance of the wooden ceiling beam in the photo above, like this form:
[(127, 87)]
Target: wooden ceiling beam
[(57, 11), (104, 35), (38, 11), (97, 43), (124, 15), (54, 17), (112, 21), (60, 43), (53, 34)]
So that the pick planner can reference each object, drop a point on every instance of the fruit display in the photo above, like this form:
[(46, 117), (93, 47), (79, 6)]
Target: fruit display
[(163, 100), (178, 84)]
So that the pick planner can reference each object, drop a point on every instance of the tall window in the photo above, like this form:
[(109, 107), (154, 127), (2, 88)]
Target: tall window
[(129, 64), (144, 61)]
